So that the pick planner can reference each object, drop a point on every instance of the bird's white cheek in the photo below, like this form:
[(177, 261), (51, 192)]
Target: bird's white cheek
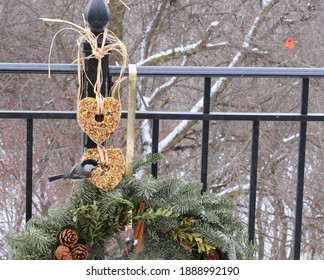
[(88, 167)]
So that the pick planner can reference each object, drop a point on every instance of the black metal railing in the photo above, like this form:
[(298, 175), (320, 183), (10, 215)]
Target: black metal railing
[(205, 116)]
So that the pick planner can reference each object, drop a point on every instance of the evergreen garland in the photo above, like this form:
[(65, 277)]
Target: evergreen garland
[(180, 222)]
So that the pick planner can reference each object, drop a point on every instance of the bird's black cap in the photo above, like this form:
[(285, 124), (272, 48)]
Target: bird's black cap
[(89, 161)]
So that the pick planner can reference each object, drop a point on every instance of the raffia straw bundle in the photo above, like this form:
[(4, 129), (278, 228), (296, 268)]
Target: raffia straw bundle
[(117, 47)]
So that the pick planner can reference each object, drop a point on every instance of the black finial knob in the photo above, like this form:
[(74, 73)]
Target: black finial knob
[(97, 15)]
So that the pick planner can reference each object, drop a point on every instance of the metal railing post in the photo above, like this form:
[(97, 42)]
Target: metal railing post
[(97, 16), (301, 170), (29, 168), (205, 135), (253, 179), (155, 146)]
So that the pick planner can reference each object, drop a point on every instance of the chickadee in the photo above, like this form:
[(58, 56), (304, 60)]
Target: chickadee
[(79, 171)]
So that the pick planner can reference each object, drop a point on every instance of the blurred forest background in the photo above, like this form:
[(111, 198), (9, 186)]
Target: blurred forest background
[(224, 33)]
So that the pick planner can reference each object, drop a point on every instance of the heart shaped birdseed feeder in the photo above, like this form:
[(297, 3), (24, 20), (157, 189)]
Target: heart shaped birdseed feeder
[(99, 124)]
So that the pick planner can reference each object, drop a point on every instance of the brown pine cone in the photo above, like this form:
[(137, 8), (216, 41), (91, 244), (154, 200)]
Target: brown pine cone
[(79, 252), (212, 255), (68, 237), (62, 253)]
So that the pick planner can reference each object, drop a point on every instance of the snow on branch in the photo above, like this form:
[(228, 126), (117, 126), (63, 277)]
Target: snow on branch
[(179, 52), (150, 28), (234, 190)]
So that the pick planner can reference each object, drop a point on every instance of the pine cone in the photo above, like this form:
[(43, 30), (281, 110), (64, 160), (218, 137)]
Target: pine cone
[(63, 253), (79, 252), (68, 237)]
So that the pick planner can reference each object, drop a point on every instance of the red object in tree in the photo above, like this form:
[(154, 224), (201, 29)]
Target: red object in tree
[(290, 43)]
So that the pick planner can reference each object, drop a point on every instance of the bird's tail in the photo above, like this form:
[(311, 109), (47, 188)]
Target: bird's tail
[(55, 177)]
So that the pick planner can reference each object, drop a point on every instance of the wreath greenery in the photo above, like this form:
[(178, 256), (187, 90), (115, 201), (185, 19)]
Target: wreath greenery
[(180, 222)]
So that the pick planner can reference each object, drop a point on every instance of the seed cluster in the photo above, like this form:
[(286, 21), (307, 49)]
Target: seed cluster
[(99, 124), (107, 175)]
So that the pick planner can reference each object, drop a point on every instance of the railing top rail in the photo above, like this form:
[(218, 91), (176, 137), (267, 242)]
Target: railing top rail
[(162, 115), (188, 71)]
